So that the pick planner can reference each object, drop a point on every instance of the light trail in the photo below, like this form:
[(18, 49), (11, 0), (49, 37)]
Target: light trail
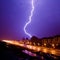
[(35, 48), (30, 19)]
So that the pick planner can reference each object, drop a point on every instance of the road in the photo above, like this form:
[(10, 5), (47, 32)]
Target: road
[(35, 48)]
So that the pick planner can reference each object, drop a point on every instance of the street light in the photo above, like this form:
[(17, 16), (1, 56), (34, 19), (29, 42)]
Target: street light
[(53, 45)]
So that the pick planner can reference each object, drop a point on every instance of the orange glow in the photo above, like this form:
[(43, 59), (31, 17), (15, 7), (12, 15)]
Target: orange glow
[(53, 45), (34, 48), (38, 49), (44, 44), (21, 45), (45, 50), (30, 47), (11, 42), (34, 43), (38, 44), (27, 46), (56, 44), (53, 52), (30, 43)]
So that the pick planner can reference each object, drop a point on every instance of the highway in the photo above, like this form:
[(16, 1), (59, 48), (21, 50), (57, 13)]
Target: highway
[(35, 48)]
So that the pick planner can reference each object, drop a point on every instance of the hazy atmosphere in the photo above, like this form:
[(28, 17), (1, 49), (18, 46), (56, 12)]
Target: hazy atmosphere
[(15, 13)]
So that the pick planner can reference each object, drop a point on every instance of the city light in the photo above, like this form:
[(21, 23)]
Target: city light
[(44, 44), (53, 45), (34, 48), (45, 50), (38, 49), (53, 52)]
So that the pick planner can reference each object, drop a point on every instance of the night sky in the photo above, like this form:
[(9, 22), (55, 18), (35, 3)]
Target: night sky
[(15, 13)]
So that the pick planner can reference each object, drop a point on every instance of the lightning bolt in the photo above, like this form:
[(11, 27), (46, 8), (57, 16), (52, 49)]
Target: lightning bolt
[(30, 19)]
